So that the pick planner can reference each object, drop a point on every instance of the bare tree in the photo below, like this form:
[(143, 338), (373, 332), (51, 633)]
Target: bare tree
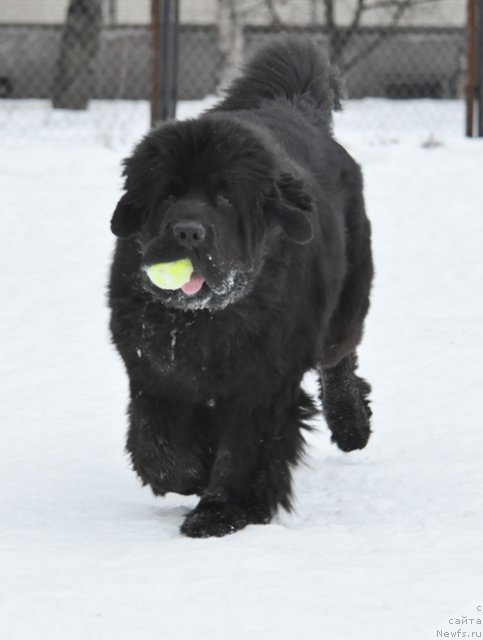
[(234, 15), (340, 37), (230, 41), (77, 65)]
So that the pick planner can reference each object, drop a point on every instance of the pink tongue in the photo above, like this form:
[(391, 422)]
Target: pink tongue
[(194, 285)]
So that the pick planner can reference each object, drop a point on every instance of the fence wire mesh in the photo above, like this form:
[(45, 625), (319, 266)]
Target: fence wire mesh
[(82, 68)]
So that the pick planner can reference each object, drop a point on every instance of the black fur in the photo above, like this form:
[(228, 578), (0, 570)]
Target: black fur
[(216, 406)]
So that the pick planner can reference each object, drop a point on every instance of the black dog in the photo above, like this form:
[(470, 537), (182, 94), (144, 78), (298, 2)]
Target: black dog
[(269, 209)]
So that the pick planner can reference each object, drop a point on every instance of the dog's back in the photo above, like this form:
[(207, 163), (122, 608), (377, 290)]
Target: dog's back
[(289, 90)]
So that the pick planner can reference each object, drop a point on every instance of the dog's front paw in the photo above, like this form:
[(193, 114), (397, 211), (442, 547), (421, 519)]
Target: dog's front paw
[(214, 519)]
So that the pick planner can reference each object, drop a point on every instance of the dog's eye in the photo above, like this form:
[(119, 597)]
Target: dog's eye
[(222, 199)]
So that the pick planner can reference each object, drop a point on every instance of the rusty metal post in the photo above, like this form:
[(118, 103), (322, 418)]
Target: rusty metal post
[(170, 58), (155, 61), (470, 67), (479, 66), (164, 45)]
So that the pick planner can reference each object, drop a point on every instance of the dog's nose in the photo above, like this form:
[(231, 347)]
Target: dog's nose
[(189, 233)]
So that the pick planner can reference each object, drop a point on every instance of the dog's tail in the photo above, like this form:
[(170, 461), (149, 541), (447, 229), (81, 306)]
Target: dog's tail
[(290, 67)]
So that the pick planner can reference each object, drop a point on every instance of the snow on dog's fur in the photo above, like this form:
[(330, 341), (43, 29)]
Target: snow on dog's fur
[(269, 209)]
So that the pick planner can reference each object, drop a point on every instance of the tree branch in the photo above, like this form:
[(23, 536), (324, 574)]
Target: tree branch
[(388, 31), (392, 4), (329, 14), (356, 20), (342, 38), (272, 10)]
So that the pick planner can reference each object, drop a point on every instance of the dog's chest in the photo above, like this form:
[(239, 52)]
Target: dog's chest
[(210, 356), (182, 346)]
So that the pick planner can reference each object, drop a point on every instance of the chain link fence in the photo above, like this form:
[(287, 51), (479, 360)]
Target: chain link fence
[(82, 68)]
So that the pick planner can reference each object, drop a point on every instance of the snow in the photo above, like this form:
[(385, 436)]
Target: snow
[(384, 543)]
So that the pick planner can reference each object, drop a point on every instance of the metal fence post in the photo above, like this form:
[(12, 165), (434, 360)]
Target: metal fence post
[(479, 66), (470, 67), (164, 46)]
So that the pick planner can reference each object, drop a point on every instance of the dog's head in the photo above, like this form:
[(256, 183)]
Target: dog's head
[(209, 190)]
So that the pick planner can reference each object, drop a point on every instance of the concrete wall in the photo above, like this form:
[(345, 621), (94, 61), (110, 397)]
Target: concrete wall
[(33, 11), (412, 58), (448, 13), (28, 59)]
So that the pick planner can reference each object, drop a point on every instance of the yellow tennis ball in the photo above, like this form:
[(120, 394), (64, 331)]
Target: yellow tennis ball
[(170, 275)]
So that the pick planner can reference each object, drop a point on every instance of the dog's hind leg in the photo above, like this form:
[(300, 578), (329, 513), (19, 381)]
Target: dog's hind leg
[(345, 404)]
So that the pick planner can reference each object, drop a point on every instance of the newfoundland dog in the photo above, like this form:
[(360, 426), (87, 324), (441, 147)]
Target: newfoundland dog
[(267, 209)]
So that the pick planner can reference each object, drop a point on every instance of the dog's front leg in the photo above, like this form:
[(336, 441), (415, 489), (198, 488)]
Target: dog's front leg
[(164, 445), (251, 475)]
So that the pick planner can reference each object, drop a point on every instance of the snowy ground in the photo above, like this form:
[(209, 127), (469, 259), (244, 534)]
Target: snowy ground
[(385, 543)]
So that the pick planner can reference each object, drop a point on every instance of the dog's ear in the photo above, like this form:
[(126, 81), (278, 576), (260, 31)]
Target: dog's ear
[(290, 207), (126, 219)]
